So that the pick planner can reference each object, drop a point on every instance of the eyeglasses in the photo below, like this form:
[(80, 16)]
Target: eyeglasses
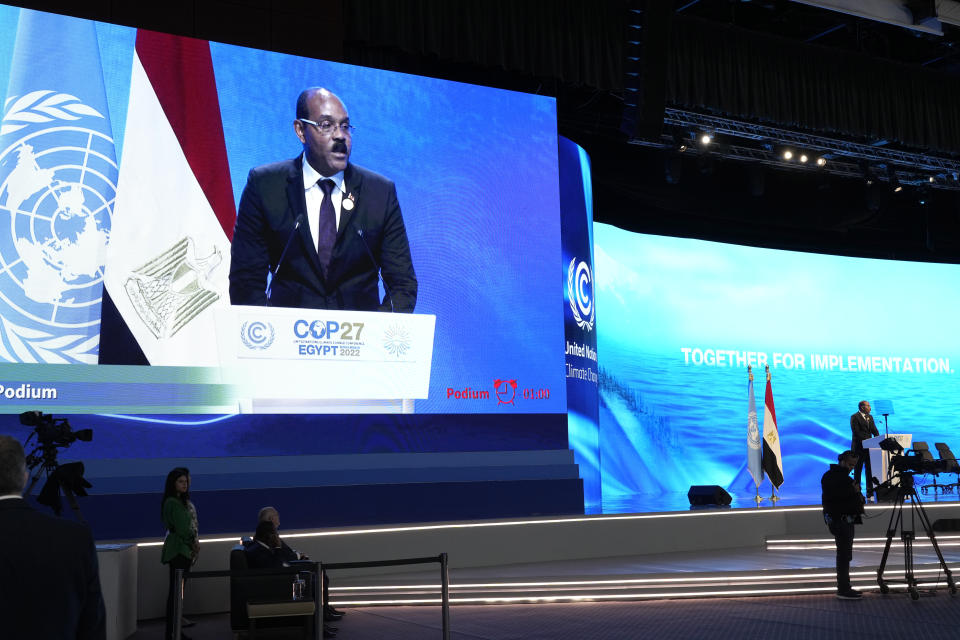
[(327, 127)]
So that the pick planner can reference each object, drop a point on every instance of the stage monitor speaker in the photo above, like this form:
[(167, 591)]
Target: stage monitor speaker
[(947, 524), (708, 494)]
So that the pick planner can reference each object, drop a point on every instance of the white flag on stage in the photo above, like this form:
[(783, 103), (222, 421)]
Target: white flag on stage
[(754, 451)]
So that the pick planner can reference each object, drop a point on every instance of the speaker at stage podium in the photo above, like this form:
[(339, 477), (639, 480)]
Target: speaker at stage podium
[(281, 360)]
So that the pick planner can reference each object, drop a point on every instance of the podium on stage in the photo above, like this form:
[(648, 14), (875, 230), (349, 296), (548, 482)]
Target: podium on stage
[(880, 459), (281, 360)]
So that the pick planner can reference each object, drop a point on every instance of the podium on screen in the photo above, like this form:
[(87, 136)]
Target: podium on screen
[(282, 360)]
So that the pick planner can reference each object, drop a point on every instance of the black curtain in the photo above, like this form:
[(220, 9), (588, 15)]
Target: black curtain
[(743, 74), (578, 43), (710, 66)]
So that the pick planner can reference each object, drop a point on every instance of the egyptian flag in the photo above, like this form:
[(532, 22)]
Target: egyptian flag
[(168, 258), (772, 463)]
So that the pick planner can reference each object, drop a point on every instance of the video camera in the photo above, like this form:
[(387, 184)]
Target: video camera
[(53, 432), (914, 462)]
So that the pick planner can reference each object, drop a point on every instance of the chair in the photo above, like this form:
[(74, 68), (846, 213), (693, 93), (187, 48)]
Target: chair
[(952, 465), (922, 450), (259, 601)]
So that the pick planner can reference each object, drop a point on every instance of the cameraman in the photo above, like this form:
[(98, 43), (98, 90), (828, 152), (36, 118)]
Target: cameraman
[(842, 507)]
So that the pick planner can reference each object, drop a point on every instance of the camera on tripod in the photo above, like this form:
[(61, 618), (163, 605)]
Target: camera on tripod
[(914, 462), (899, 488), (53, 432)]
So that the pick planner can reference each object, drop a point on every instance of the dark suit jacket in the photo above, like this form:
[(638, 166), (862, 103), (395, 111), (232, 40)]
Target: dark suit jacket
[(49, 580), (841, 495), (271, 202), (861, 430), (261, 557)]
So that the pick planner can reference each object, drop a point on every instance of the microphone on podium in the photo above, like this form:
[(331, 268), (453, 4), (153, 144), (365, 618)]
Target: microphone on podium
[(271, 274), (376, 266)]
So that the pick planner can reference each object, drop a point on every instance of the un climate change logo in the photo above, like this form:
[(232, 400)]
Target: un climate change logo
[(57, 190), (580, 294), (257, 335)]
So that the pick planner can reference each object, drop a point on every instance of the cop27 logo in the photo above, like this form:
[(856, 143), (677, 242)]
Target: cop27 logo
[(57, 188), (580, 294)]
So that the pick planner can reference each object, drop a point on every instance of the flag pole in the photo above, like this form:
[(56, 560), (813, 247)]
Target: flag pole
[(774, 498), (757, 498)]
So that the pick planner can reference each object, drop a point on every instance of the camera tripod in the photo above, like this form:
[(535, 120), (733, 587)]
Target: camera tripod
[(907, 490), (52, 470)]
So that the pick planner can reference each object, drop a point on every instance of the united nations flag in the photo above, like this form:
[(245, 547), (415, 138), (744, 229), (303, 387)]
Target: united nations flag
[(58, 176)]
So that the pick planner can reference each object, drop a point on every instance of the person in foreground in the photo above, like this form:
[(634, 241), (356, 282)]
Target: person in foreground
[(320, 227), (842, 508), (181, 545), (49, 576)]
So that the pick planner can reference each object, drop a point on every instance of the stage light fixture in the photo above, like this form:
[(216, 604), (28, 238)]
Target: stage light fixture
[(867, 172), (931, 179), (679, 143), (893, 179), (706, 139), (803, 157), (821, 162), (788, 155)]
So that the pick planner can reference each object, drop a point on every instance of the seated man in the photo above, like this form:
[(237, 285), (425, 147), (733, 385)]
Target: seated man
[(267, 552), (264, 551), (270, 514)]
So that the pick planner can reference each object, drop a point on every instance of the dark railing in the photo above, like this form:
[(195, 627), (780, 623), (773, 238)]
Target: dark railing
[(315, 568), (444, 580)]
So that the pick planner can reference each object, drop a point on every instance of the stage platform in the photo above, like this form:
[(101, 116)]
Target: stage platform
[(794, 561), (721, 552)]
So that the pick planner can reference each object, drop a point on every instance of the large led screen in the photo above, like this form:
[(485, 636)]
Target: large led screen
[(683, 319), (128, 153)]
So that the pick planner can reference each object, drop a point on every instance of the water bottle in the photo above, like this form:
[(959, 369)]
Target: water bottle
[(298, 587)]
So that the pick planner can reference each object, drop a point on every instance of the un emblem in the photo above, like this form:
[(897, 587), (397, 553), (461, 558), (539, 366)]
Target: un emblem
[(57, 189), (753, 431), (580, 294)]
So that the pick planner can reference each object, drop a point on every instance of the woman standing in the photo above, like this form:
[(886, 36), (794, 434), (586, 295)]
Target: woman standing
[(181, 545)]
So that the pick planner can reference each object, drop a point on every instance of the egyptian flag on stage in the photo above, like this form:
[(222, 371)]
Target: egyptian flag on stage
[(169, 254), (772, 463)]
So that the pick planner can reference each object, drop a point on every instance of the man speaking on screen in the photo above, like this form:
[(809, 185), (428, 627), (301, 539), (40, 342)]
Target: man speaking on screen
[(314, 232)]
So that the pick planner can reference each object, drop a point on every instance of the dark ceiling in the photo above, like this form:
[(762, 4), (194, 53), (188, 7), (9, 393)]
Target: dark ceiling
[(579, 52)]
